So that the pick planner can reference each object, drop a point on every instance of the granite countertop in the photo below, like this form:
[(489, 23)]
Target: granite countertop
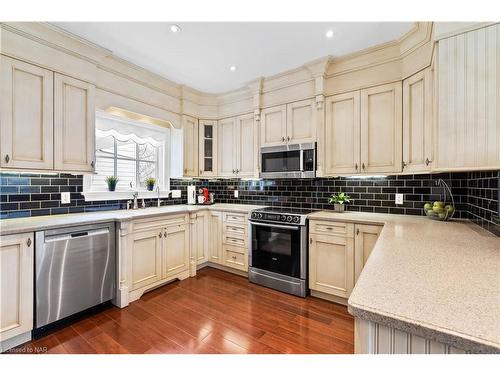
[(438, 280), (32, 224)]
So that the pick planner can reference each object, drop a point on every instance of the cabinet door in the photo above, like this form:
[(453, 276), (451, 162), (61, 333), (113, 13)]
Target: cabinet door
[(247, 147), (175, 250), (342, 130), (190, 134), (417, 122), (227, 147), (364, 241), (16, 285), (468, 130), (207, 148), (26, 115), (381, 129), (301, 122), (331, 264), (215, 236), (202, 237), (273, 126), (146, 257), (74, 124)]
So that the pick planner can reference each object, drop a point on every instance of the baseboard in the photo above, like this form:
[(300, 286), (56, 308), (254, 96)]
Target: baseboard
[(15, 341), (224, 268), (329, 297)]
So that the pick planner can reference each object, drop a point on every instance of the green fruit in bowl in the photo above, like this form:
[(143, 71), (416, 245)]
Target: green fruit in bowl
[(449, 208), (430, 213), (438, 204), (443, 215), (438, 209), (428, 206)]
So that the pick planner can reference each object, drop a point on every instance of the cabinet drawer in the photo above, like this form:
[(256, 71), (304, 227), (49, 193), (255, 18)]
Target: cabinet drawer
[(331, 227), (238, 218), (162, 221), (234, 258), (234, 230), (234, 240)]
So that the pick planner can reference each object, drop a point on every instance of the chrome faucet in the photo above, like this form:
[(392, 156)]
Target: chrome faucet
[(135, 195), (158, 194)]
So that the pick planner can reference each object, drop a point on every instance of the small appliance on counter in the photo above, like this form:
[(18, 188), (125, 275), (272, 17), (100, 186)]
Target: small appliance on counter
[(191, 194), (205, 197)]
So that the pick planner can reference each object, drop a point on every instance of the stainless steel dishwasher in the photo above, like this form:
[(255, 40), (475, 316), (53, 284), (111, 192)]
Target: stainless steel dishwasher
[(75, 270)]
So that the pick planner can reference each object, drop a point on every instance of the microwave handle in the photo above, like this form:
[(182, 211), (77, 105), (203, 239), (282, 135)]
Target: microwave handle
[(302, 160)]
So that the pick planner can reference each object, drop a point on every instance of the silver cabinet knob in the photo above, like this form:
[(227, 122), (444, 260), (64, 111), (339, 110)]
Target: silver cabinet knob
[(92, 164), (427, 161), (282, 139), (28, 242), (7, 158), (160, 235)]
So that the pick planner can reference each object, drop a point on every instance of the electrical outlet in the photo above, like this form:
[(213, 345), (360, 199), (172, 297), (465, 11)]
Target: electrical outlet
[(65, 198), (236, 193), (176, 193), (399, 199)]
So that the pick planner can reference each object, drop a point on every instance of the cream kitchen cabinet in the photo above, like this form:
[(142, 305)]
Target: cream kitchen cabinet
[(289, 124), (363, 131), (47, 119), (331, 259), (364, 241), (16, 289), (215, 237), (191, 140), (175, 250), (417, 122), (74, 124), (468, 123), (207, 148), (26, 115), (146, 258), (234, 241), (201, 234), (342, 131), (238, 147), (381, 129)]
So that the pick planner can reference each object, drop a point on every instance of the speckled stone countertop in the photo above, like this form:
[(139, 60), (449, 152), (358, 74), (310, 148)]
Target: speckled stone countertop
[(32, 224), (438, 280)]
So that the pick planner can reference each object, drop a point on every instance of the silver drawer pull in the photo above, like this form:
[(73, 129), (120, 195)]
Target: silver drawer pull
[(28, 242), (234, 256)]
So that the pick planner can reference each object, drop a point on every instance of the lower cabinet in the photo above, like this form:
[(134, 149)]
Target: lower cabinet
[(234, 241), (201, 237), (215, 237), (16, 289), (337, 254), (146, 257), (175, 250)]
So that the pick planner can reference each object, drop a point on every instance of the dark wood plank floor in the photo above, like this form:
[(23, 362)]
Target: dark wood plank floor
[(215, 312)]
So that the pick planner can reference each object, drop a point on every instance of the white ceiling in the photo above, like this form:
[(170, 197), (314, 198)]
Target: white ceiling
[(200, 55)]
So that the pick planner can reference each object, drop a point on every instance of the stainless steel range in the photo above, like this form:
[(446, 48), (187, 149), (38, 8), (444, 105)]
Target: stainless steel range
[(278, 249)]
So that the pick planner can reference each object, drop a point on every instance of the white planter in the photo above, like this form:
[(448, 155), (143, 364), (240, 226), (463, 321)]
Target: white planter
[(339, 207)]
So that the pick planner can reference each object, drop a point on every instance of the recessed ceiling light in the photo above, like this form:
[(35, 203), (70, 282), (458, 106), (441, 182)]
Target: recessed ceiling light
[(232, 68), (175, 28), (329, 34)]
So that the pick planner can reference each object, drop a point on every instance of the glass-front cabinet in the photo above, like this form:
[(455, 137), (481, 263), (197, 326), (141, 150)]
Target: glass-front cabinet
[(208, 148)]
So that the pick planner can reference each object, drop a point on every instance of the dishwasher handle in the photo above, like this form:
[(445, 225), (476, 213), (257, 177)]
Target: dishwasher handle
[(69, 236)]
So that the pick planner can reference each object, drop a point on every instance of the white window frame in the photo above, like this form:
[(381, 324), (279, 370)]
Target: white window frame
[(163, 169)]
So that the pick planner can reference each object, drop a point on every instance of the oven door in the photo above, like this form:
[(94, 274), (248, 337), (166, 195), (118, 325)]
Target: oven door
[(278, 248)]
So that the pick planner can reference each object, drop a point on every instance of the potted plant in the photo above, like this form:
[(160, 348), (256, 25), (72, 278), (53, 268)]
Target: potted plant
[(150, 183), (111, 181), (339, 201)]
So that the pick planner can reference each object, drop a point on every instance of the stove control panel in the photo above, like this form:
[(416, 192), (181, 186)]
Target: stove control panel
[(276, 217)]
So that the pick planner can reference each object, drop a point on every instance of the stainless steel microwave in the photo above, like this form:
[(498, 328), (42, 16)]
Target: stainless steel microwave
[(289, 161)]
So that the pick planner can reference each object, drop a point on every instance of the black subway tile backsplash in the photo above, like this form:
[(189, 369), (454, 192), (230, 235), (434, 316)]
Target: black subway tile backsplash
[(475, 193)]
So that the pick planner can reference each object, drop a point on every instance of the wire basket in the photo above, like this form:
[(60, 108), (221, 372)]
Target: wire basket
[(446, 211)]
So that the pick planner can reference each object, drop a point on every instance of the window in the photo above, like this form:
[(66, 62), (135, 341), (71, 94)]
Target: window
[(131, 151)]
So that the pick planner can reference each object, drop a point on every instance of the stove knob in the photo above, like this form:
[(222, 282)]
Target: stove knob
[(283, 218), (296, 219), (259, 216), (254, 215), (289, 218)]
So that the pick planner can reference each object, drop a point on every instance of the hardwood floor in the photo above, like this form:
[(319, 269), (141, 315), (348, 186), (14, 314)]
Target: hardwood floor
[(214, 312)]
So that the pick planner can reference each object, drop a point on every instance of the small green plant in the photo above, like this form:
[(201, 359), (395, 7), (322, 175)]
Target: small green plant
[(150, 183), (112, 181), (340, 198)]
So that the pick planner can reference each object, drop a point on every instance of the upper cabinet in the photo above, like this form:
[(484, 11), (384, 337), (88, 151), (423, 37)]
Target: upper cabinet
[(47, 119), (342, 132), (208, 148), (289, 124), (74, 124), (238, 147), (468, 126), (363, 131), (190, 134), (26, 113), (381, 129), (417, 122)]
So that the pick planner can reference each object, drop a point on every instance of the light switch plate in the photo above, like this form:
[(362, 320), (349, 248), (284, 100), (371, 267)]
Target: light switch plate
[(176, 193), (399, 199), (236, 193), (65, 198)]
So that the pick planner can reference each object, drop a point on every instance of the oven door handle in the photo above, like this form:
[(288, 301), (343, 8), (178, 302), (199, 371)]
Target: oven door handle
[(292, 227)]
